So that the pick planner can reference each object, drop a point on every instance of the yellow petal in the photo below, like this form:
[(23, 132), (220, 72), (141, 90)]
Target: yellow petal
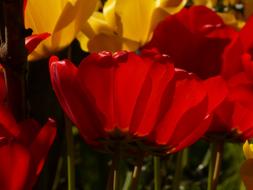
[(111, 43), (246, 173), (229, 19), (171, 6), (83, 41), (64, 32), (96, 24), (109, 14), (135, 17), (248, 150), (61, 18), (208, 3)]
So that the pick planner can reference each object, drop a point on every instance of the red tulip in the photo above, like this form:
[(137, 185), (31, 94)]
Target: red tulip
[(23, 149), (197, 40), (23, 146), (123, 96)]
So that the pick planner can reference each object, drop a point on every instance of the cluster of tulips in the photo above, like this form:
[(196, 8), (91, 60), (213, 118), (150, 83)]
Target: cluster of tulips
[(159, 76)]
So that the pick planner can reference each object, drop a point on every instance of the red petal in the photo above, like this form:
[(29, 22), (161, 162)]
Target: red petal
[(129, 81), (157, 92), (189, 123), (246, 36), (40, 146), (194, 135), (8, 125), (216, 90), (195, 39), (28, 131), (96, 76), (240, 90), (242, 121), (14, 166), (73, 101), (189, 93), (31, 42), (24, 5)]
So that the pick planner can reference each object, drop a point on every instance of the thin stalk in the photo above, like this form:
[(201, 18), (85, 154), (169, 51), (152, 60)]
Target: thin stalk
[(178, 171), (214, 165), (136, 174), (70, 154), (58, 174), (157, 177), (127, 182), (15, 58), (113, 182)]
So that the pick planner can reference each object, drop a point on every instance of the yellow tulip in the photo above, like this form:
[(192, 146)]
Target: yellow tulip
[(125, 24), (246, 170), (61, 18)]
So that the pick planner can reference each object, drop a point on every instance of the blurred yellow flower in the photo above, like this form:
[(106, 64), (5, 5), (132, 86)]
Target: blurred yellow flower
[(61, 18), (230, 16), (125, 24), (246, 170)]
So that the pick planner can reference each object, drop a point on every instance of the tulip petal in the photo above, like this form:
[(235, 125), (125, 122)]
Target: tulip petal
[(31, 42), (189, 93), (135, 16), (96, 75), (217, 91), (8, 126), (198, 34), (14, 166), (193, 136), (190, 121), (73, 101), (171, 6), (131, 74), (157, 92), (40, 146), (70, 21), (241, 90), (248, 150)]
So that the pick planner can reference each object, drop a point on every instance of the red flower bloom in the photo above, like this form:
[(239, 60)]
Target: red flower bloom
[(198, 41), (195, 38), (23, 149), (128, 97)]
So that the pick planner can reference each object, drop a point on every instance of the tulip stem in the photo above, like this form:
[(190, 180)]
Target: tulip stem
[(214, 165), (157, 182), (14, 56), (70, 154), (58, 174), (178, 171), (136, 173), (114, 175)]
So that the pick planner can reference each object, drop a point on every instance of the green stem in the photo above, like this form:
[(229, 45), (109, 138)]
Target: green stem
[(136, 174), (178, 171), (214, 165), (70, 154), (114, 176), (128, 178), (157, 182), (58, 174)]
